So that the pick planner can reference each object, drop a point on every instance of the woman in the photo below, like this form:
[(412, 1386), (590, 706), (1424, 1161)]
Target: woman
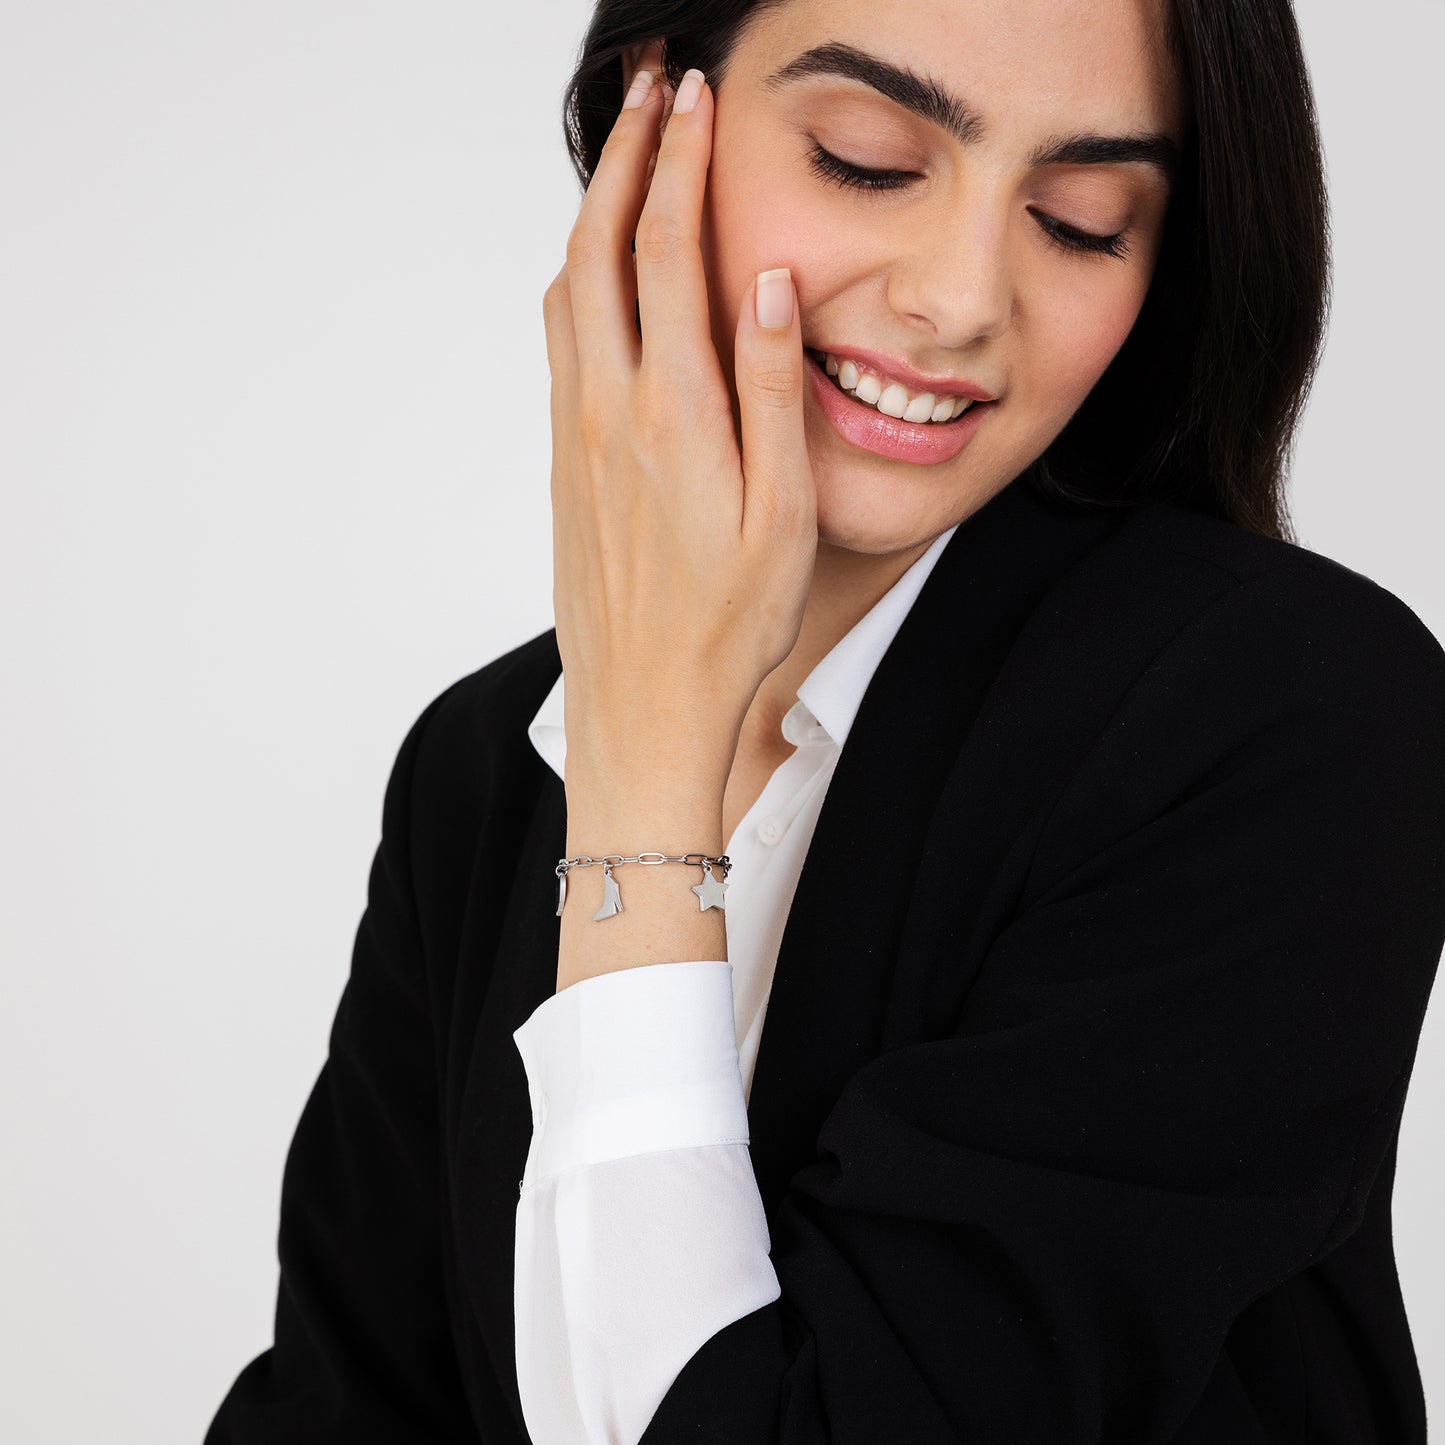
[(942, 411)]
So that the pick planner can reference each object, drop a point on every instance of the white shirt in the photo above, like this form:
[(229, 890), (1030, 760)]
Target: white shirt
[(640, 1230)]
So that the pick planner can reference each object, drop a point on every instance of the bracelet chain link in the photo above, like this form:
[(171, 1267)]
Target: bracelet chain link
[(709, 892)]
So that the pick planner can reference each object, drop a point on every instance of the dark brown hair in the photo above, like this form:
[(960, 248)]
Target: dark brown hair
[(1203, 400)]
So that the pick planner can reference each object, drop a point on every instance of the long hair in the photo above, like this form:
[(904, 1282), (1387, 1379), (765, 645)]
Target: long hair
[(1203, 400)]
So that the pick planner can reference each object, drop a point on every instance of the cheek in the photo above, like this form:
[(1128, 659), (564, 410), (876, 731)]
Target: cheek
[(1079, 333), (754, 220)]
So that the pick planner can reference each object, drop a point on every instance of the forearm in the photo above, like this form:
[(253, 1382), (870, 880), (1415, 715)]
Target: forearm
[(642, 797)]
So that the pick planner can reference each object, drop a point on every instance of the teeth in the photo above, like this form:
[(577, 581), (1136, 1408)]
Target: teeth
[(893, 398), (921, 408), (894, 401)]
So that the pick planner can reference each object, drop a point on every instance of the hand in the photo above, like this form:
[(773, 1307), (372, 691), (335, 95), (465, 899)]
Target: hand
[(683, 553)]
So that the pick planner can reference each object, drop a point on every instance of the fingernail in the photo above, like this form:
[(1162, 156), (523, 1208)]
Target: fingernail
[(774, 302), (688, 92), (637, 93)]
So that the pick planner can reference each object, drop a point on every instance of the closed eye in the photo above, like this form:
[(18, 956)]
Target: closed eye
[(859, 178)]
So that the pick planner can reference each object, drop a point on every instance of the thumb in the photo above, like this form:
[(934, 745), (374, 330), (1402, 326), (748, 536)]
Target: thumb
[(768, 371)]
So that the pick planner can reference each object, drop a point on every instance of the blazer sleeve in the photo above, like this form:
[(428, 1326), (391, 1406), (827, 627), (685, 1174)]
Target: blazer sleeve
[(363, 1349), (1174, 1076)]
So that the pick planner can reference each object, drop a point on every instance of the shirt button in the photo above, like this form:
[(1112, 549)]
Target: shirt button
[(771, 829)]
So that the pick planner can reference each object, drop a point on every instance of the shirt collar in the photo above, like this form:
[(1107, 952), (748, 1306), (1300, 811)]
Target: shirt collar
[(834, 689), (830, 695)]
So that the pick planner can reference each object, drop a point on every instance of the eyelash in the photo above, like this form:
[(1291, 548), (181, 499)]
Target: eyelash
[(1066, 238)]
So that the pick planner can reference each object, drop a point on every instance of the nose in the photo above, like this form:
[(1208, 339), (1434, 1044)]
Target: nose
[(954, 278)]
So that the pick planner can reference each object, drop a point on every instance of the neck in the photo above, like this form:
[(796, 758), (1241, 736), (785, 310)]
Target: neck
[(846, 585)]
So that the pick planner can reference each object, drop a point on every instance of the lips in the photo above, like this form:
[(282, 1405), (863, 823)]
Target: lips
[(867, 429)]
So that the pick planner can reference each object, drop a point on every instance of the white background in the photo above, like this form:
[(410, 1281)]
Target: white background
[(274, 438)]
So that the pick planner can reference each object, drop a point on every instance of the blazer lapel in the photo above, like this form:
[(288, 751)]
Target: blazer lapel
[(1065, 674), (830, 996)]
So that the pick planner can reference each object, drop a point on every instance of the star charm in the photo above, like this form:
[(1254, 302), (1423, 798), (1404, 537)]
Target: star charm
[(710, 891)]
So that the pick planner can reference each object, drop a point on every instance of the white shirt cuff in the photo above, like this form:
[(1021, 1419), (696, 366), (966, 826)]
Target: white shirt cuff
[(629, 1062)]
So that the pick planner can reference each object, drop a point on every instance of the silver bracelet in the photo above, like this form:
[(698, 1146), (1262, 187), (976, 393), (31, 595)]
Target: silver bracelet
[(709, 892)]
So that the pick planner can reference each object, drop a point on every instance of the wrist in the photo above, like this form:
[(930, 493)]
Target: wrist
[(642, 788), (687, 737), (645, 801), (597, 831), (660, 921)]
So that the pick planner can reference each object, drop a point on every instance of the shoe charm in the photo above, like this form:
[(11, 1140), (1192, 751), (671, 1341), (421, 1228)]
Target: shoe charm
[(611, 895)]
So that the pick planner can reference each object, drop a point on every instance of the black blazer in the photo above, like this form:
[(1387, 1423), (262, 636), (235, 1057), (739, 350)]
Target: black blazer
[(1076, 1107)]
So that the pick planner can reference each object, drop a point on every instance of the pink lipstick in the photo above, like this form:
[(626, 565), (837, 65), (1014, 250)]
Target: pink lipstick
[(923, 443)]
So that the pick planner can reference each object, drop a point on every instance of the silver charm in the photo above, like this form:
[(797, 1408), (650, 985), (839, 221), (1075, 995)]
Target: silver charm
[(611, 895), (710, 891)]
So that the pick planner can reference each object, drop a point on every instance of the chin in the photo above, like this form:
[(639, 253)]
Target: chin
[(854, 513), (861, 511)]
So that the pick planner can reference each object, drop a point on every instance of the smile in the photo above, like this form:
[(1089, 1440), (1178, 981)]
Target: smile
[(887, 430), (890, 397)]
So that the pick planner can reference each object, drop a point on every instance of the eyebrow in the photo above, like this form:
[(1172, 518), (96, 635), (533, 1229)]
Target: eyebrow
[(926, 98)]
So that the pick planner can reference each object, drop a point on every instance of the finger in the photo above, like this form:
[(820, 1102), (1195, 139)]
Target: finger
[(562, 366), (651, 58), (768, 372), (599, 257), (671, 284), (561, 337), (645, 56)]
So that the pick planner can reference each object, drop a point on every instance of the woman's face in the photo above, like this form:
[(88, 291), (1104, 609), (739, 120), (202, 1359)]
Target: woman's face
[(962, 272)]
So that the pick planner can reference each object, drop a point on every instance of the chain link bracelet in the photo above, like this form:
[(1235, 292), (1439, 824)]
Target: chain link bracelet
[(709, 892)]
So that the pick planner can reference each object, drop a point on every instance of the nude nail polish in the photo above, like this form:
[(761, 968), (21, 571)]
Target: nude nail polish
[(637, 92), (687, 92)]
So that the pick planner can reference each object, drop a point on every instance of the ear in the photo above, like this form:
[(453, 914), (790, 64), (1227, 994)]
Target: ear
[(646, 55)]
